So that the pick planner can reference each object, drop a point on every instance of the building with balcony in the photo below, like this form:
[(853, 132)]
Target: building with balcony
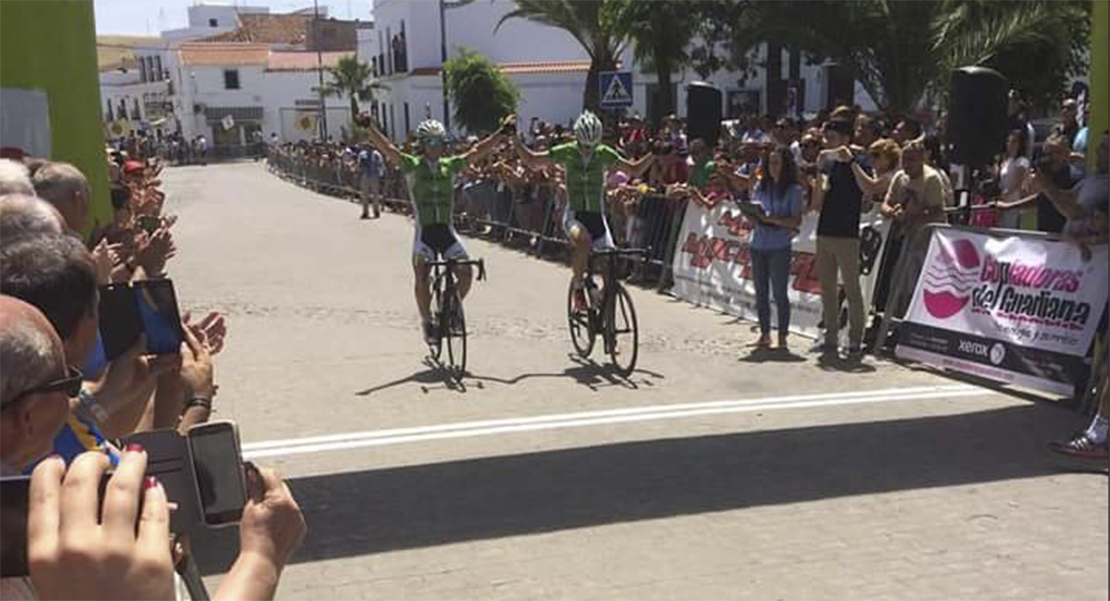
[(547, 65), (233, 71)]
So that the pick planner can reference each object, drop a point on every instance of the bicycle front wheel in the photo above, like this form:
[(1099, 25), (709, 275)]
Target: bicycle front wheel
[(582, 333), (622, 334), (435, 347), (454, 334)]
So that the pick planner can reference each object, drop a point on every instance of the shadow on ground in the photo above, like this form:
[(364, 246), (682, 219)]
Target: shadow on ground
[(375, 511), (585, 372)]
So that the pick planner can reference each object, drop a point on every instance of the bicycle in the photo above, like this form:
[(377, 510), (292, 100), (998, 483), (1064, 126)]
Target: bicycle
[(448, 319), (609, 313)]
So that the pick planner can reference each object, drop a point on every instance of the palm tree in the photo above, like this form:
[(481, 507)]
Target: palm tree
[(595, 24), (661, 31), (353, 79), (902, 51)]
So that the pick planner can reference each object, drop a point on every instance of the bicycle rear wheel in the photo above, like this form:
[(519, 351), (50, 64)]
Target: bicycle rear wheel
[(622, 333), (582, 332), (454, 334)]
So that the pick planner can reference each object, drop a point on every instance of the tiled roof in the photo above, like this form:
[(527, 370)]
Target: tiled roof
[(533, 68), (267, 29), (302, 61), (115, 51), (537, 68), (207, 53)]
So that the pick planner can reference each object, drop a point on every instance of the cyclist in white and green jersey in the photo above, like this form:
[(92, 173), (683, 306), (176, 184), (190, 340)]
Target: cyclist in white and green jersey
[(585, 161), (431, 185)]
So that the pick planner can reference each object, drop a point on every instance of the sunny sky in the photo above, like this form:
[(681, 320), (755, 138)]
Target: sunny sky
[(148, 17)]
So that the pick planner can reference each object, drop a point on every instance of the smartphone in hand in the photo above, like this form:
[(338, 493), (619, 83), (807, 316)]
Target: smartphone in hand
[(130, 310)]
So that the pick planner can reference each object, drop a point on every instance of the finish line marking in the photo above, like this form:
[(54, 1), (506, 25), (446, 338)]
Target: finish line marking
[(377, 438)]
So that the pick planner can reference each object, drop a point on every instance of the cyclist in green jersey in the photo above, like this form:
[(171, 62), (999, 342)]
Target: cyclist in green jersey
[(585, 162), (431, 185)]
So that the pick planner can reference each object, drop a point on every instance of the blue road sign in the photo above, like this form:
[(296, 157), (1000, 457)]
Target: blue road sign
[(616, 89)]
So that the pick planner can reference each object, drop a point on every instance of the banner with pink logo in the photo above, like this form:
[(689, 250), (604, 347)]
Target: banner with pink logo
[(1017, 310)]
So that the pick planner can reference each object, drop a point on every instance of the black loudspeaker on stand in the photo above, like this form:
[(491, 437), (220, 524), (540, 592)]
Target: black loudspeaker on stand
[(703, 112), (977, 119)]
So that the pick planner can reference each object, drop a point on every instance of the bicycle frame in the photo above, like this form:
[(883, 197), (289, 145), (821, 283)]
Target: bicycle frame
[(445, 270), (610, 275)]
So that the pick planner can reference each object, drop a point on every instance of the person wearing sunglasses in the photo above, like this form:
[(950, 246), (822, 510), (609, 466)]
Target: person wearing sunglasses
[(35, 385)]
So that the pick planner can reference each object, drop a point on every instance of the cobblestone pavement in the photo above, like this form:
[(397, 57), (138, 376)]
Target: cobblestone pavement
[(707, 474)]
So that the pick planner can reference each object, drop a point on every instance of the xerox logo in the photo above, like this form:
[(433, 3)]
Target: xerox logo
[(949, 279), (974, 348)]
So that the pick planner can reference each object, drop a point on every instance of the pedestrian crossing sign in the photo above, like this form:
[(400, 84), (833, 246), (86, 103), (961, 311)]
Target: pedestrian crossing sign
[(616, 89)]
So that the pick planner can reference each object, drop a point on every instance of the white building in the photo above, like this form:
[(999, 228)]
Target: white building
[(228, 91), (547, 65), (231, 61), (211, 18)]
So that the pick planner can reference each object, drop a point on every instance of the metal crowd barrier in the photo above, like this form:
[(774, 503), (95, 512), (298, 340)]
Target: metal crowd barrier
[(501, 214)]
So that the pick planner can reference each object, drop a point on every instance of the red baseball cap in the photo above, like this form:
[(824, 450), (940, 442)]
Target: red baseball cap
[(132, 166)]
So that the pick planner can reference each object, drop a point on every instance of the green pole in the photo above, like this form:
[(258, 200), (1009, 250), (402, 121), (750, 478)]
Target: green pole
[(50, 47), (1098, 77)]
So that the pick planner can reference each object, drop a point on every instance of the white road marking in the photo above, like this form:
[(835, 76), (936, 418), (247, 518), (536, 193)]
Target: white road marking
[(375, 438)]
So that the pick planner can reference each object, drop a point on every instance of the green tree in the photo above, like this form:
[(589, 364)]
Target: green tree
[(353, 79), (482, 94), (903, 51), (595, 24), (661, 31)]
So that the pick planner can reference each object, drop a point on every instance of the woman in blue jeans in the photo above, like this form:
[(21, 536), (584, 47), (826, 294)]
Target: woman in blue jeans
[(780, 195)]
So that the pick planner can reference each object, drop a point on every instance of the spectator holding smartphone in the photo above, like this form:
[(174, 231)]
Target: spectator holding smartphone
[(839, 205), (76, 550), (34, 400)]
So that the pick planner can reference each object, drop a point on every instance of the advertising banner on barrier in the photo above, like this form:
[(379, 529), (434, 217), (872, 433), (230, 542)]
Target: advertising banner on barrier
[(1016, 310), (712, 264)]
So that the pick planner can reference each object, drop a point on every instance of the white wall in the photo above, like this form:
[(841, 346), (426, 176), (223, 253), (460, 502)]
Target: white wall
[(281, 90), (471, 26)]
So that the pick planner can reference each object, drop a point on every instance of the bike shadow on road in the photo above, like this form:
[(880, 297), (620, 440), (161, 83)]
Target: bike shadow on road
[(419, 506), (586, 372)]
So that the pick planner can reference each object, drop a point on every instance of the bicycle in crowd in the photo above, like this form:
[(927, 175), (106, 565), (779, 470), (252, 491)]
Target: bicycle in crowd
[(448, 317), (609, 312)]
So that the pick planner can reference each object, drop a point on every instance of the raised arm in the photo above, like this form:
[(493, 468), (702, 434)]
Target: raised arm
[(384, 146), (635, 168), (870, 185), (483, 149), (533, 161)]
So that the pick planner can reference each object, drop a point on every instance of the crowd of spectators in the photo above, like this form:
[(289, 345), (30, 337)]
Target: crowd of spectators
[(64, 406), (838, 165), (847, 162)]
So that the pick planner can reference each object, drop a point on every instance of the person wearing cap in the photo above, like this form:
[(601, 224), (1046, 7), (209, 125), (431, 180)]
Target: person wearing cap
[(839, 203)]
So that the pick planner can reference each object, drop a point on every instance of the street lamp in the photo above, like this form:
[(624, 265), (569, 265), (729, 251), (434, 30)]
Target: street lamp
[(443, 7), (320, 72)]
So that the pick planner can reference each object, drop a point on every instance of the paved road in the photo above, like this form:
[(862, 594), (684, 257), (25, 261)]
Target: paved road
[(706, 475)]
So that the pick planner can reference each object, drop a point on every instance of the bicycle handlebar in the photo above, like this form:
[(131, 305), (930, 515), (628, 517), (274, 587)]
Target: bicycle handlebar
[(449, 263)]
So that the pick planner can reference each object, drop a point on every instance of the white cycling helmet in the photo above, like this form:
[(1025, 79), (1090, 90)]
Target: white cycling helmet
[(431, 132), (587, 129)]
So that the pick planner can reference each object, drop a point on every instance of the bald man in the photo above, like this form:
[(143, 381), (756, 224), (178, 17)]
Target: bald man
[(35, 385), (65, 187), (24, 215)]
